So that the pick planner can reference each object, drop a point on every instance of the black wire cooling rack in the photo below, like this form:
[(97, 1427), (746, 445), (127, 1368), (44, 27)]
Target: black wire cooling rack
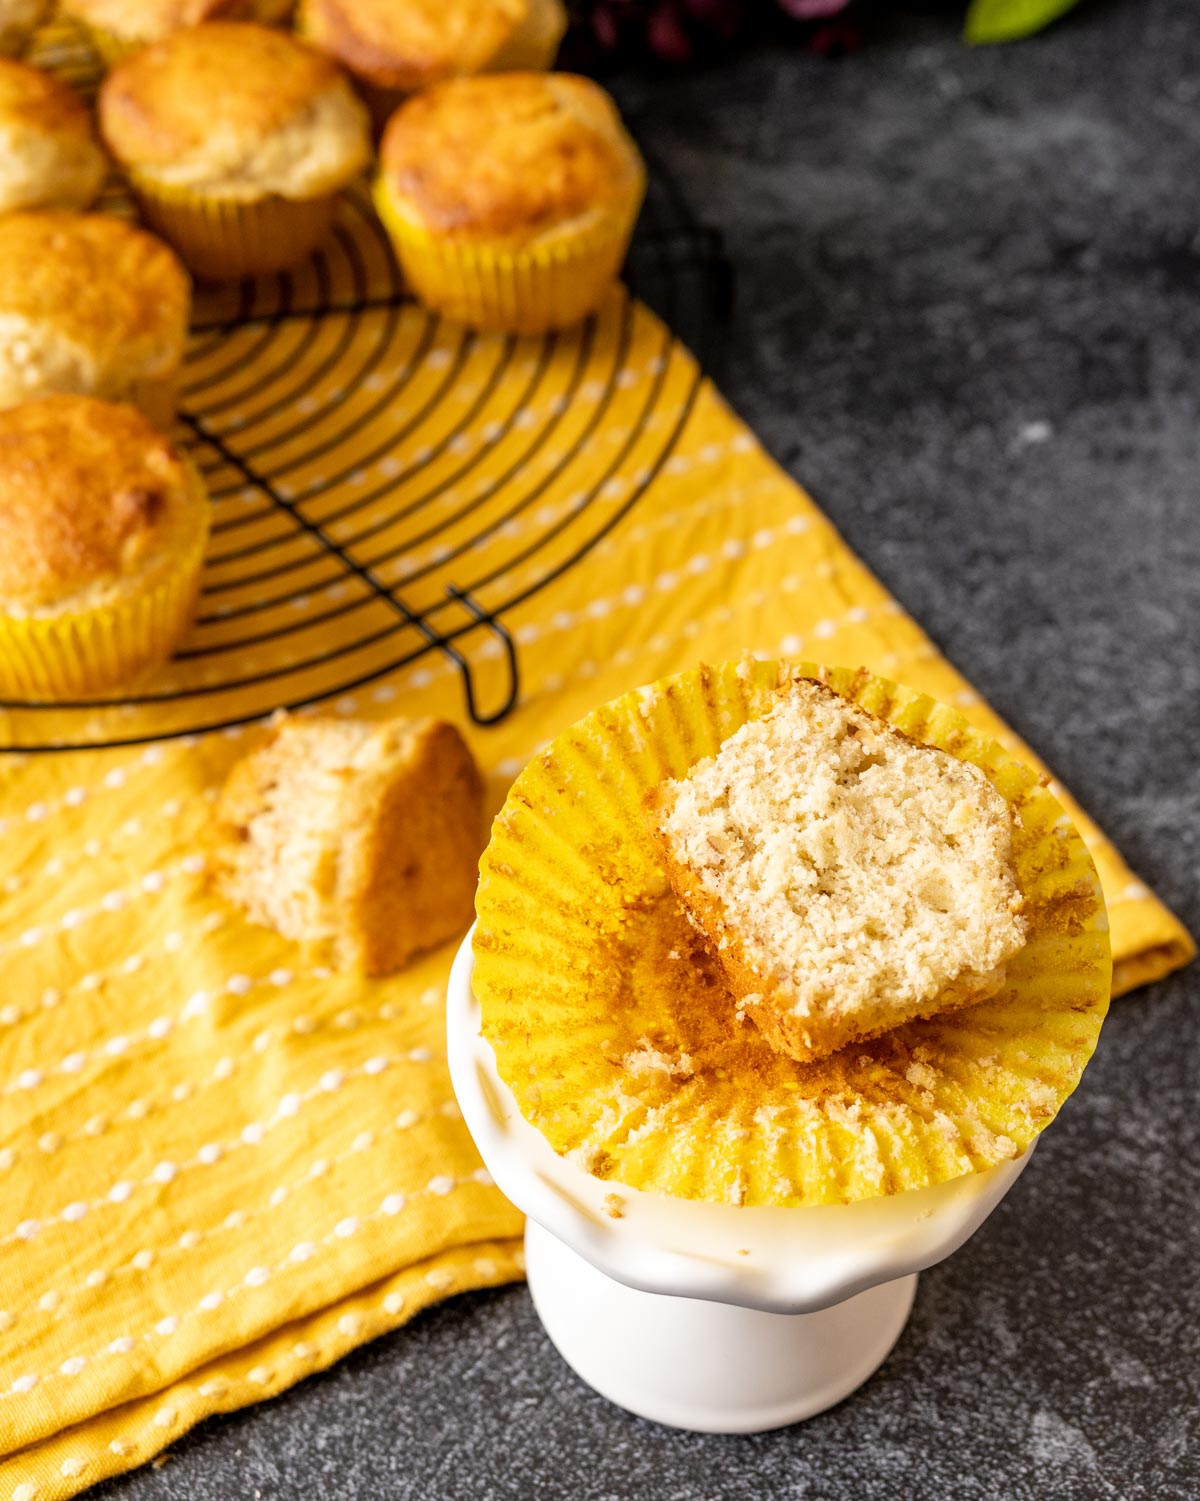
[(342, 431)]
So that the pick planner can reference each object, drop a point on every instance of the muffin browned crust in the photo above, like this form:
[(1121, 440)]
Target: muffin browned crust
[(151, 20), (49, 154), (89, 305), (93, 499), (235, 110), (409, 44), (509, 156)]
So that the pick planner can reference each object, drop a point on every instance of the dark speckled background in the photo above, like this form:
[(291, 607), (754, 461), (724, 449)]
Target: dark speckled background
[(969, 321)]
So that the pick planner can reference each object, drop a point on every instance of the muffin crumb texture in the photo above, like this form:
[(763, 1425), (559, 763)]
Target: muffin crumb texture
[(361, 838), (847, 878)]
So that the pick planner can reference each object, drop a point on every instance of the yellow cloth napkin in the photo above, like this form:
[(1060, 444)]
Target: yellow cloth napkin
[(222, 1166)]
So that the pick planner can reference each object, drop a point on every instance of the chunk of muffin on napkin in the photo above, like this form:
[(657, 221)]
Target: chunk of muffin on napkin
[(847, 878), (360, 838)]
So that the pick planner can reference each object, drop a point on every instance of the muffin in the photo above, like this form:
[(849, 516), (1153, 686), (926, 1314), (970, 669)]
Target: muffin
[(119, 27), (91, 306), (237, 141), (49, 154), (394, 47), (510, 198), (362, 839), (19, 19), (104, 527), (847, 879)]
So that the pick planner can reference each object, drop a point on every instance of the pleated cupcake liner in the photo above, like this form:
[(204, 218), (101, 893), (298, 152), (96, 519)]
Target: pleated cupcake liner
[(506, 289), (225, 239), (615, 1030)]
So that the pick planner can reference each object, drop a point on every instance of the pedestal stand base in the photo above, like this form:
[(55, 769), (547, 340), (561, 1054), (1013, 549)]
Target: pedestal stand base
[(711, 1367)]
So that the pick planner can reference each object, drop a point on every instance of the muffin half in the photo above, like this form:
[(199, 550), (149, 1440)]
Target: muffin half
[(92, 306), (236, 140), (104, 527), (510, 198)]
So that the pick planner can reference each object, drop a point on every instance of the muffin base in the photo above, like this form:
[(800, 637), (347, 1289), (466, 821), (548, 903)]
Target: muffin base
[(222, 239), (501, 289)]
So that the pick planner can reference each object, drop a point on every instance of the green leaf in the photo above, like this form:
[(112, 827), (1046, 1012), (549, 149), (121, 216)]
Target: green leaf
[(1007, 20)]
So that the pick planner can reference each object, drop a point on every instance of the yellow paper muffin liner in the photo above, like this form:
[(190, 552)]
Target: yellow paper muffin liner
[(613, 1026), (505, 289), (224, 239), (78, 653)]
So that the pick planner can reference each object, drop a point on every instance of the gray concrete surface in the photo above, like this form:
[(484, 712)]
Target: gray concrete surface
[(969, 321)]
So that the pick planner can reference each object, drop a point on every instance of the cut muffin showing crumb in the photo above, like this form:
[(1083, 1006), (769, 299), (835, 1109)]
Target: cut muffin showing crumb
[(363, 838), (848, 878)]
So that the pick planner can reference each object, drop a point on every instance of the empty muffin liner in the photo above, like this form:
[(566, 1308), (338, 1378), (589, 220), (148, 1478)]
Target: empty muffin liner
[(224, 239), (75, 654), (511, 289), (614, 1028)]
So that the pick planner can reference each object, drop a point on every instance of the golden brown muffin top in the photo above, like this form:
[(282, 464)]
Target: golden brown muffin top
[(90, 494), (38, 100), (199, 88), (148, 20), (104, 285), (511, 155), (409, 44)]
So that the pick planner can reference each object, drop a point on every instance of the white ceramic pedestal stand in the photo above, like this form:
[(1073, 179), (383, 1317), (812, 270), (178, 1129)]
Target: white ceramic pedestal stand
[(706, 1316)]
